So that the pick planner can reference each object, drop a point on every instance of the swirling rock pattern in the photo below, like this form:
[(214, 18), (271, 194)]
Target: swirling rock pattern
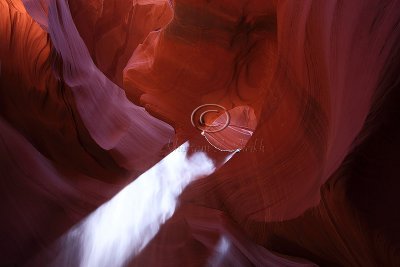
[(94, 93)]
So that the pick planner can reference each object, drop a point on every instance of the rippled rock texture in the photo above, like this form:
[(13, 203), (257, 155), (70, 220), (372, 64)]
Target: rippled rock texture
[(94, 94)]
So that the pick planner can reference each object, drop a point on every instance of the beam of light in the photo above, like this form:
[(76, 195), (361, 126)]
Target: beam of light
[(119, 229), (221, 250)]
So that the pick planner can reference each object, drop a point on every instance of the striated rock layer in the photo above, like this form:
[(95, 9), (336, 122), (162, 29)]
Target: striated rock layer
[(94, 93)]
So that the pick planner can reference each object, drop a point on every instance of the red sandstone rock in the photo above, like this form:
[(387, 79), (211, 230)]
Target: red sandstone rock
[(321, 77)]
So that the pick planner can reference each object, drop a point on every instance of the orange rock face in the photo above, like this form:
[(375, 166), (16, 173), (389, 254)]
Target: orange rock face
[(94, 94)]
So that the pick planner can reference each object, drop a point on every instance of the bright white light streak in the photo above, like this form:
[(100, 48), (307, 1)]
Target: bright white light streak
[(221, 250), (122, 227)]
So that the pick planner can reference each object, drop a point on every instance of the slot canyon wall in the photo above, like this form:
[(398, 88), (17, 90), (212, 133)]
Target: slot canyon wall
[(95, 94)]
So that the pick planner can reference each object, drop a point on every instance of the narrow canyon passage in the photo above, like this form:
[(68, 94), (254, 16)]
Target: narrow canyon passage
[(199, 133)]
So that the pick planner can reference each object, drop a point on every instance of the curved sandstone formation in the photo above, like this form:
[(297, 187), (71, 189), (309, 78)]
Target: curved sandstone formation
[(94, 94)]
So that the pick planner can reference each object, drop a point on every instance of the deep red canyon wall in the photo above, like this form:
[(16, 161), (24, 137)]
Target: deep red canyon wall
[(93, 94)]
